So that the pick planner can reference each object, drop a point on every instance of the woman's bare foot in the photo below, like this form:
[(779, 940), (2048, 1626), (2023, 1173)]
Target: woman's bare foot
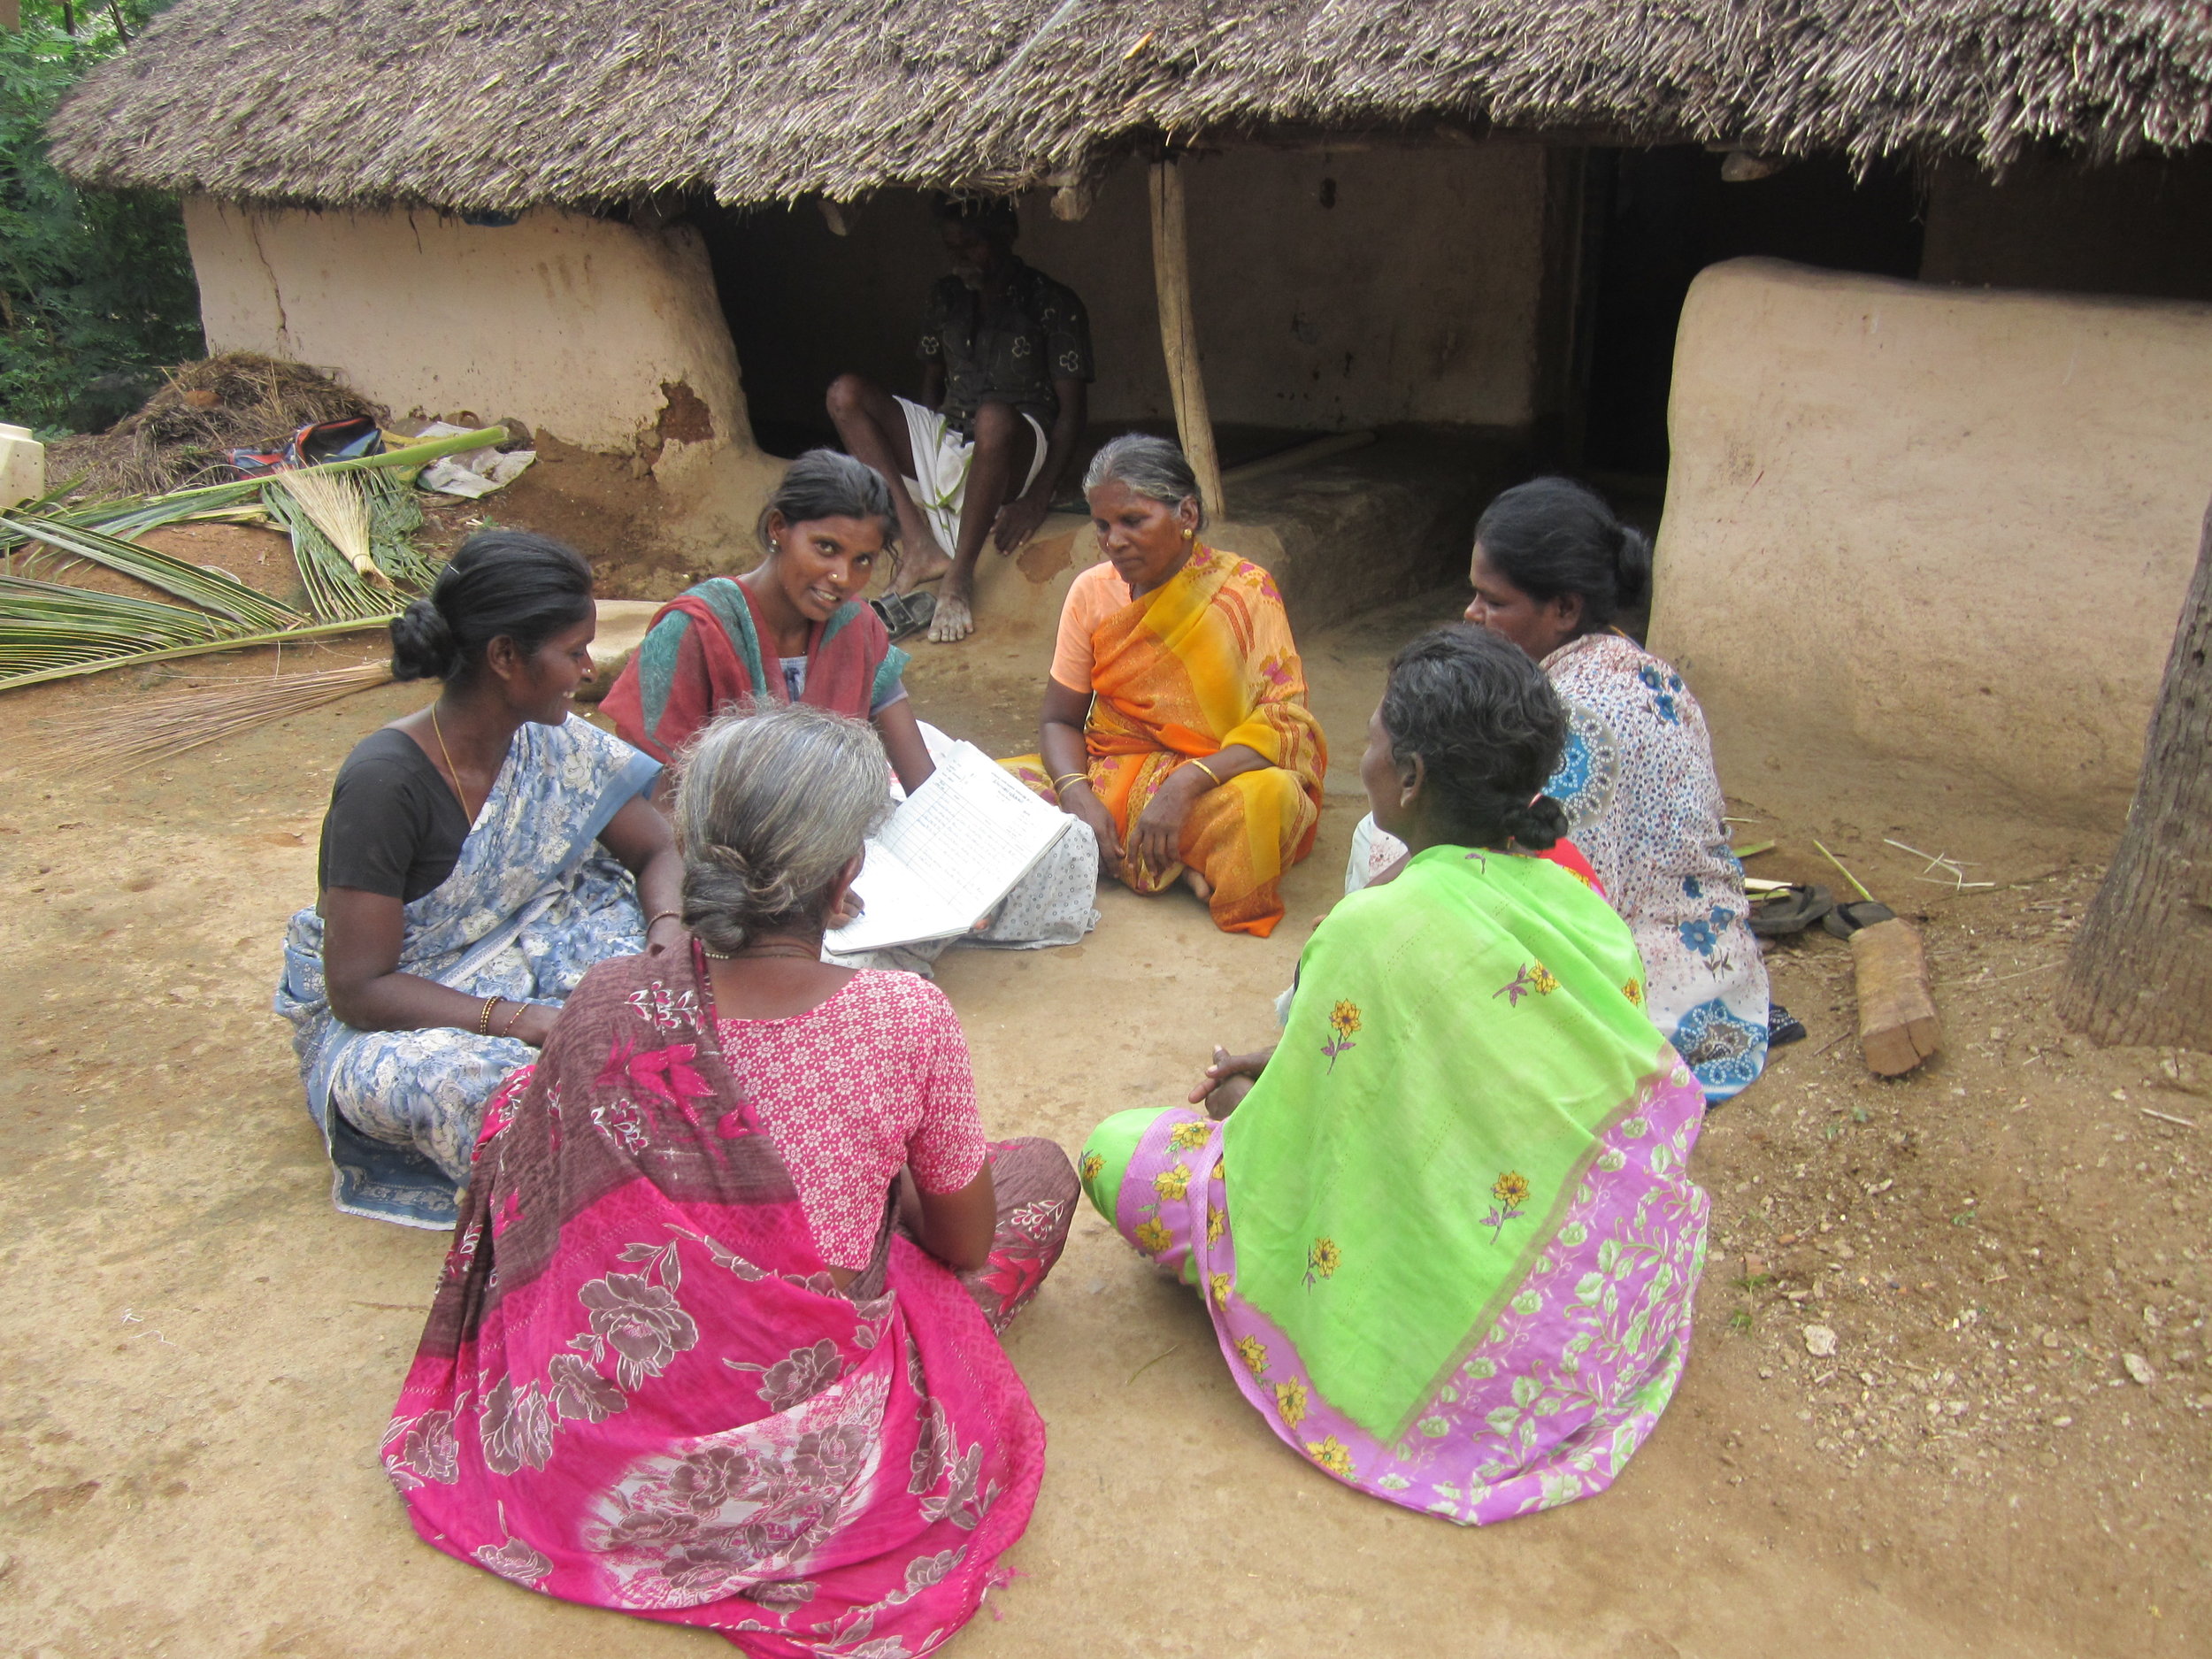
[(1199, 884), (954, 619)]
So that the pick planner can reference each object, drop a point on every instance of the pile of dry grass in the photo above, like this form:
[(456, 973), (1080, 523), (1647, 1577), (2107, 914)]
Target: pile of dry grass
[(237, 401)]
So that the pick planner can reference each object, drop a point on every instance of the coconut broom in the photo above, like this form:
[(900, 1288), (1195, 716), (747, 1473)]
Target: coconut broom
[(334, 504), (134, 733)]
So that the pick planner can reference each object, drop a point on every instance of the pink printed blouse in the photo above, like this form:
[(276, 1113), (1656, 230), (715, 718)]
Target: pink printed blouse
[(874, 1079)]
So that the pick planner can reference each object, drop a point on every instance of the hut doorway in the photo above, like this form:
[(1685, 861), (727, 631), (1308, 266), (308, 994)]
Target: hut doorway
[(1653, 219)]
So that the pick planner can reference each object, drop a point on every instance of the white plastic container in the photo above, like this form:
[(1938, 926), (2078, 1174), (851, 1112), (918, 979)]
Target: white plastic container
[(22, 466)]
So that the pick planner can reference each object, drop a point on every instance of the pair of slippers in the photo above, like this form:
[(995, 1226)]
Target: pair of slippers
[(1793, 909), (904, 614)]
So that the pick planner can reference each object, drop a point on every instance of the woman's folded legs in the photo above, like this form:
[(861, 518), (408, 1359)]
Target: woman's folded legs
[(1242, 837), (1036, 1189), (424, 1090), (1147, 1145)]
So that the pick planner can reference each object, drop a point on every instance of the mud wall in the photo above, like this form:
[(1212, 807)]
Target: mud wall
[(608, 337), (1944, 532), (1332, 290)]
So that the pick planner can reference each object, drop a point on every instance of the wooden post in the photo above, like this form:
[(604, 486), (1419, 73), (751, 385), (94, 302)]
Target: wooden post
[(1179, 332)]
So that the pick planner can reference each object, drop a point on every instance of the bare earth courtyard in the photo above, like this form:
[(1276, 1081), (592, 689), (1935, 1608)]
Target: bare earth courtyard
[(201, 1353)]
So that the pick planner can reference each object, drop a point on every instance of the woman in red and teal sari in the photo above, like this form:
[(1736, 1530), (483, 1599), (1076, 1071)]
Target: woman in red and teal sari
[(1445, 1230), (794, 629)]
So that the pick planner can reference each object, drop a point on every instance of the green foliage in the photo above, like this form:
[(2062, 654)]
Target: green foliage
[(91, 283)]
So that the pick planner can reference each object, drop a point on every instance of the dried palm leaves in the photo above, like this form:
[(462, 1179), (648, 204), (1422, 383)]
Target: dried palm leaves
[(356, 562)]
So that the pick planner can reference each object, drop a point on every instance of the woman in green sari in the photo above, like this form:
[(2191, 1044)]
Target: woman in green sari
[(1445, 1229)]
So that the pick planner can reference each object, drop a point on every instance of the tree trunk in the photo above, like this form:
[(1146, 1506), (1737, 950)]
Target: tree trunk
[(2140, 970)]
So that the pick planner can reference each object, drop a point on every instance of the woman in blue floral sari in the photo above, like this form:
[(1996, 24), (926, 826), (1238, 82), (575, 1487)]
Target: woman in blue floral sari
[(478, 857)]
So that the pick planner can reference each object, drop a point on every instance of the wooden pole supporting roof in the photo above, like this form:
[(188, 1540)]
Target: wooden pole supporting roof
[(1179, 332)]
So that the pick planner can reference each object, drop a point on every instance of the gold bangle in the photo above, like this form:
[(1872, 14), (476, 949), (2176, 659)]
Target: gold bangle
[(1066, 778), (484, 1019), (658, 917), (514, 1019), (1209, 771)]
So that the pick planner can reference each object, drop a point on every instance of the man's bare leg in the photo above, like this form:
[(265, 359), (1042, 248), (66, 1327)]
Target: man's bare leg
[(1004, 449), (872, 427)]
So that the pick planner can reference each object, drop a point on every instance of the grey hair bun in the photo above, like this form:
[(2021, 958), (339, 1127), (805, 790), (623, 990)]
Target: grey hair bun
[(771, 804)]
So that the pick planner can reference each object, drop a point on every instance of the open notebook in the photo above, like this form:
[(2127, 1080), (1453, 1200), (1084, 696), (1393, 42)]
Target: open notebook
[(951, 851)]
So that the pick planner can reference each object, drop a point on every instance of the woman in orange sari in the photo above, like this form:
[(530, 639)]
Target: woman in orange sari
[(1175, 721)]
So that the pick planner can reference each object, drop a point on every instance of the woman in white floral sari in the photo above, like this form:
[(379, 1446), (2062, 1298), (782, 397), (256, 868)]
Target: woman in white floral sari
[(478, 857), (1552, 565)]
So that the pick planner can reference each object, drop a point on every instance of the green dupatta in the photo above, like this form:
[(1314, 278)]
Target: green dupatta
[(1459, 1039)]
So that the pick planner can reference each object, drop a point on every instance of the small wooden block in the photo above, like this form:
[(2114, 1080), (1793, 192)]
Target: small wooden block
[(1897, 1025)]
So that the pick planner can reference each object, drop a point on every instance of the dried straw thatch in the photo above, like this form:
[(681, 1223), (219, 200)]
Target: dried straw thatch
[(474, 105), (238, 400)]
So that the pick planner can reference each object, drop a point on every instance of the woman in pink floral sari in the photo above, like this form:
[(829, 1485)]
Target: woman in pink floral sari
[(717, 1339)]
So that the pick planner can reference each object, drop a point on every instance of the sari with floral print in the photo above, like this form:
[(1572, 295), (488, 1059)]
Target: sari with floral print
[(1643, 800), (531, 902), (1449, 1241), (639, 1388), (1203, 662)]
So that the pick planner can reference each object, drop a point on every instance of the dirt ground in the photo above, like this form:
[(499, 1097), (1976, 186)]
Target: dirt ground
[(201, 1353)]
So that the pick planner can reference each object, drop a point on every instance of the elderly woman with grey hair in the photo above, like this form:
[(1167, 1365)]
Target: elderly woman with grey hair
[(1175, 720), (717, 1343)]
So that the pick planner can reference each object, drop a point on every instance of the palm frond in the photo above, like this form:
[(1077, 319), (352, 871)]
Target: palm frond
[(227, 642), (394, 515), (212, 591)]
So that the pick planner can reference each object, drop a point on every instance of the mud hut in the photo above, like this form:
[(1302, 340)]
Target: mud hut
[(1499, 234)]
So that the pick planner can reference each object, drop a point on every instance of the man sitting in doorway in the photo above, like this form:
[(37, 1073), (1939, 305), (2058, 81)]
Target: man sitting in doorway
[(1006, 355)]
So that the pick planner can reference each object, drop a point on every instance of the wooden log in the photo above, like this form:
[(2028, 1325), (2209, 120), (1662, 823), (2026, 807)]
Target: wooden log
[(1898, 1027), (1179, 332)]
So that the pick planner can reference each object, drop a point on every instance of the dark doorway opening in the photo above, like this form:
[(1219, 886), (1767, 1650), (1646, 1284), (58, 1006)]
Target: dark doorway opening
[(1654, 218), (805, 305)]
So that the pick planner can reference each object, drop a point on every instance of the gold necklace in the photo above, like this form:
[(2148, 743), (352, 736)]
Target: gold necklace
[(452, 770), (795, 951)]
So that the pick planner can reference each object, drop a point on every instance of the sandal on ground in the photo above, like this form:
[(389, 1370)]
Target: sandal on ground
[(1783, 1027), (1788, 911), (1846, 919), (905, 613)]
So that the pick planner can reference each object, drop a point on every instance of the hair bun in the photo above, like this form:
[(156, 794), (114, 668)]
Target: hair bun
[(1539, 826), (1632, 564), (423, 646)]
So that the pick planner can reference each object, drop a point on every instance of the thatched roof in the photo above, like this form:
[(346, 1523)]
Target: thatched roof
[(485, 104)]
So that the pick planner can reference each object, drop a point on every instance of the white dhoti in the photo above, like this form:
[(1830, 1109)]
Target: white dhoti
[(941, 459)]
